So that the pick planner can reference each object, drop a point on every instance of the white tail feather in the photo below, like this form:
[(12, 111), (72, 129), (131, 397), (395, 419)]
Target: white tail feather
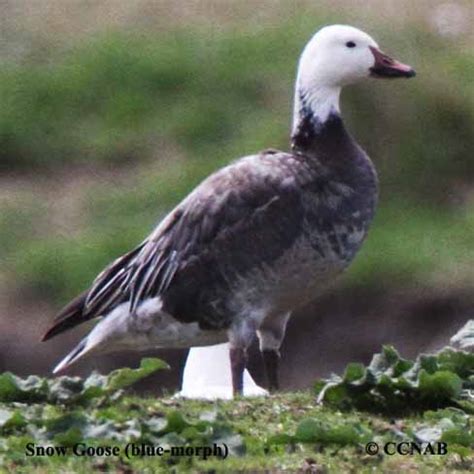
[(79, 351), (103, 337)]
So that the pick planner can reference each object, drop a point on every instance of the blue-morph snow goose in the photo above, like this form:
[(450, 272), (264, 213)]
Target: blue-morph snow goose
[(254, 240)]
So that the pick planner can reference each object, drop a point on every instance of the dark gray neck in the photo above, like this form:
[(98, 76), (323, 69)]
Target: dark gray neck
[(324, 138), (328, 139)]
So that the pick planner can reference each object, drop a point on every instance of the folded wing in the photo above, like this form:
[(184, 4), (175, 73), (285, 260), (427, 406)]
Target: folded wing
[(251, 197)]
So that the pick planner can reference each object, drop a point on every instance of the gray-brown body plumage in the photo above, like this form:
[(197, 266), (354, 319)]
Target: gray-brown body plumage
[(256, 239)]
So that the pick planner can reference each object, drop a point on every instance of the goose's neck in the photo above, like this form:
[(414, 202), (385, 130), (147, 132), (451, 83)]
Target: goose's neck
[(315, 111)]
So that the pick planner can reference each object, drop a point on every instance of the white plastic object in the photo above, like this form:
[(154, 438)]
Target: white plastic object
[(207, 375)]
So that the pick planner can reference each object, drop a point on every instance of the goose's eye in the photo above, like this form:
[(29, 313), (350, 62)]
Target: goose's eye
[(350, 44)]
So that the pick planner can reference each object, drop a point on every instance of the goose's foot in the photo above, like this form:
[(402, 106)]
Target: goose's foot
[(271, 360), (238, 362)]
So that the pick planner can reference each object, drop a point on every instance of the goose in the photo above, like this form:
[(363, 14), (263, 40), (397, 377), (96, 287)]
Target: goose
[(256, 239)]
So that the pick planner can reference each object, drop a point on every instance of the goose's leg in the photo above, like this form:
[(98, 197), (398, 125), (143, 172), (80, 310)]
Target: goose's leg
[(238, 362), (271, 334), (240, 336), (271, 362)]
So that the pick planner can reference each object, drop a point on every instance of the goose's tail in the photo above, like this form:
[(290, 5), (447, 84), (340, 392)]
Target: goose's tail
[(109, 334), (79, 351)]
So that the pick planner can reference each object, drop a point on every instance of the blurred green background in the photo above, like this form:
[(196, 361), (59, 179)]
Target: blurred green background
[(112, 111)]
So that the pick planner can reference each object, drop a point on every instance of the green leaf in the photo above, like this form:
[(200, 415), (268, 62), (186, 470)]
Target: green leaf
[(281, 438), (428, 363), (308, 430), (69, 438), (311, 430), (394, 385), (458, 436), (175, 422), (459, 362), (68, 390), (354, 372), (382, 362), (336, 394), (9, 390), (391, 355), (125, 377), (64, 423), (65, 389), (467, 406), (190, 433), (401, 367), (11, 419), (441, 385), (31, 389), (386, 385)]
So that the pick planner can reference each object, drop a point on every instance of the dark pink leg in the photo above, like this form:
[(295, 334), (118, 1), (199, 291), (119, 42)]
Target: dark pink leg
[(271, 359), (238, 361)]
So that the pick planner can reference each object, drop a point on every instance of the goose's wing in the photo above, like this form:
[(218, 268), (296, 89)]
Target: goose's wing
[(77, 311), (237, 204)]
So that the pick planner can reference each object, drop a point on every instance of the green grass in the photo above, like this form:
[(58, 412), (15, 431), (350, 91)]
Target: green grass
[(412, 244), (258, 422), (423, 401), (122, 96)]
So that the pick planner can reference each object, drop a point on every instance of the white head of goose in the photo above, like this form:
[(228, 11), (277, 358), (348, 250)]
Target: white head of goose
[(256, 239)]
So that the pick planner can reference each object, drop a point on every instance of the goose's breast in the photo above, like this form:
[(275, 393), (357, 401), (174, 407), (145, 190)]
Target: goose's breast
[(297, 277), (319, 254)]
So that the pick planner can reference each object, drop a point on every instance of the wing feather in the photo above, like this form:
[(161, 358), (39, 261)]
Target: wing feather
[(228, 197)]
